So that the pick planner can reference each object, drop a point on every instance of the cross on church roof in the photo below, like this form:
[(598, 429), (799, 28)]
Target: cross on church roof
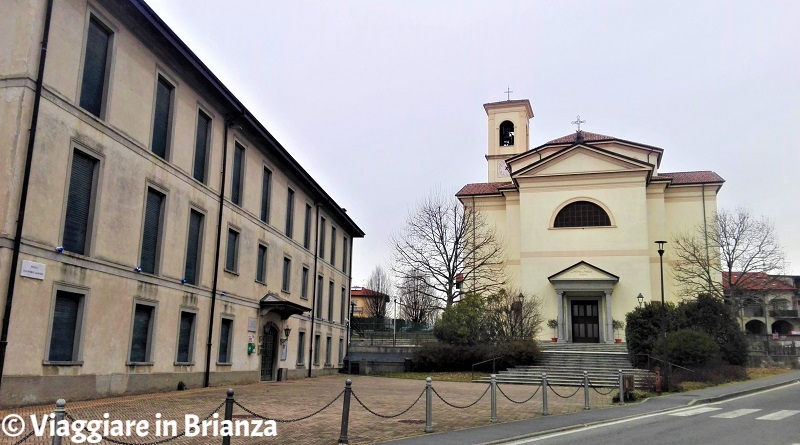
[(508, 92), (578, 122)]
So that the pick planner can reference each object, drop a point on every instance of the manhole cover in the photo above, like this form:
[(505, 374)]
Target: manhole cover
[(412, 421)]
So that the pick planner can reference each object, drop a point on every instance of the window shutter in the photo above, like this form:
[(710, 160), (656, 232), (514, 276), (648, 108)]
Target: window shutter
[(193, 247), (185, 336), (230, 253), (79, 202), (289, 213), (150, 234), (330, 301), (266, 184), (201, 146), (94, 67), (236, 187), (262, 256), (161, 117), (141, 333), (65, 325), (224, 341)]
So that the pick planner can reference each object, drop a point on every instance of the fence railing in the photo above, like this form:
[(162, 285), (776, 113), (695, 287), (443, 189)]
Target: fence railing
[(348, 394), (382, 332)]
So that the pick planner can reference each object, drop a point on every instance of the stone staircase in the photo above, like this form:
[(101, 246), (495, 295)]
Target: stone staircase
[(564, 364)]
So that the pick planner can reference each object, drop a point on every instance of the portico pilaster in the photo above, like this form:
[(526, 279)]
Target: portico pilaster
[(609, 325), (560, 301)]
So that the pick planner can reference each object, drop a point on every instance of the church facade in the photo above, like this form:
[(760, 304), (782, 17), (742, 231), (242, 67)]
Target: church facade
[(580, 216)]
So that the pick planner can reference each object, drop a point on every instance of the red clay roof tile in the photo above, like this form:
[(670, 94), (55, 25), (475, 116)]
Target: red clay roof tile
[(483, 188), (755, 281)]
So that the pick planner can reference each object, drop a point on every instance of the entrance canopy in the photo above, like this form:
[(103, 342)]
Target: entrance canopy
[(285, 308), (582, 279)]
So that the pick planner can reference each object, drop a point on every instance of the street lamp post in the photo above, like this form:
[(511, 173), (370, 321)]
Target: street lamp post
[(640, 298), (521, 319), (350, 337), (663, 314)]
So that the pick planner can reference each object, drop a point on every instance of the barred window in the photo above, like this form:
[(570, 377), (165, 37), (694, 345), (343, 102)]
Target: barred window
[(582, 214)]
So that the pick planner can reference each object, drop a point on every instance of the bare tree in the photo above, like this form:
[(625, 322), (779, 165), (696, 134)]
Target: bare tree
[(510, 317), (448, 243), (416, 303), (380, 284), (734, 245)]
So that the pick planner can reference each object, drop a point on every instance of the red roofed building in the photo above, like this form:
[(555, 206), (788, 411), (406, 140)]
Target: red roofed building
[(367, 301), (770, 301), (580, 215)]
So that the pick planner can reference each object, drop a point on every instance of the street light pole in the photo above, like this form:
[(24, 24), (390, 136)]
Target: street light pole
[(521, 318), (349, 337), (663, 313)]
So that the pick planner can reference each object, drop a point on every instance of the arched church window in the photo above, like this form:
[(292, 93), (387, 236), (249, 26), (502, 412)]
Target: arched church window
[(506, 133), (582, 214)]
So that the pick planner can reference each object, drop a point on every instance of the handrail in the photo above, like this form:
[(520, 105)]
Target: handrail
[(660, 360), (485, 361)]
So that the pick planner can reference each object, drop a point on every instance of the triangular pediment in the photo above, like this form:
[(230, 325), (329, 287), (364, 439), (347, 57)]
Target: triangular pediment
[(583, 271), (577, 159)]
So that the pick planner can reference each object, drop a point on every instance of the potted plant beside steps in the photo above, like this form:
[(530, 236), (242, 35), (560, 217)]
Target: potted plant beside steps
[(553, 324), (617, 325)]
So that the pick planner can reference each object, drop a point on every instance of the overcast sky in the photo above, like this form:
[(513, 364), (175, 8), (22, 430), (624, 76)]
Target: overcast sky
[(382, 101)]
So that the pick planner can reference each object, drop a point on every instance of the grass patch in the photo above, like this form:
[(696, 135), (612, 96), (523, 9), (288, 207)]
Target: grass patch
[(760, 373), (436, 376)]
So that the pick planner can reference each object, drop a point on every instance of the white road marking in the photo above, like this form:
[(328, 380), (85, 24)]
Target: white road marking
[(778, 415), (736, 413), (692, 412)]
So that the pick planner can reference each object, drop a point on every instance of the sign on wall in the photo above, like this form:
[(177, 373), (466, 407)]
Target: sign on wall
[(251, 325), (33, 270)]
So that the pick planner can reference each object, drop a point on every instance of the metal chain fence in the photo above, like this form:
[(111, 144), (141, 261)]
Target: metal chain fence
[(25, 437), (384, 416), (457, 406), (519, 402), (252, 413), (565, 397), (613, 388)]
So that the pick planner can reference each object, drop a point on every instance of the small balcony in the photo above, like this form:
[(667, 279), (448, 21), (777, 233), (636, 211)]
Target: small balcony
[(783, 313)]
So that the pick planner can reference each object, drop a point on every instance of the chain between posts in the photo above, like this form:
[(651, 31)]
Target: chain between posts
[(524, 401), (567, 397), (601, 393), (25, 437), (168, 439), (254, 414), (385, 416), (457, 406)]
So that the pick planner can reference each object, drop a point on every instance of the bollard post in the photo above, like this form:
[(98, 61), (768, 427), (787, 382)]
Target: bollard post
[(621, 389), (494, 398), (59, 412), (348, 390), (544, 394), (585, 389), (428, 405), (226, 440)]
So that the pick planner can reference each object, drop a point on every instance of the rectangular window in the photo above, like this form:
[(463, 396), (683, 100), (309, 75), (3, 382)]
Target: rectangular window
[(328, 351), (79, 203), (344, 254), (201, 143), (225, 333), (322, 229), (186, 338), (95, 67), (191, 269), (162, 116), (232, 252), (307, 233), (301, 348), (261, 264), (342, 306), (65, 332), (333, 246), (319, 296), (316, 349), (341, 351), (266, 191), (304, 284), (142, 333), (151, 233), (330, 301), (290, 213), (238, 174), (286, 283)]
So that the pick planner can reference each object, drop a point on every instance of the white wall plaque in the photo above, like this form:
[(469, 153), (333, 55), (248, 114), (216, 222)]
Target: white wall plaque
[(251, 325), (32, 269)]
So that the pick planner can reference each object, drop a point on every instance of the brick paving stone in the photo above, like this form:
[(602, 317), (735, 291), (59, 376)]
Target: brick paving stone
[(298, 398)]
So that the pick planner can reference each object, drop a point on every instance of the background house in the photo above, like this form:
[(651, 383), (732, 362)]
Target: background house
[(769, 302)]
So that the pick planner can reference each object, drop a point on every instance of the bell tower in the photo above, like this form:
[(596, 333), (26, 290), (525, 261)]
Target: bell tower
[(509, 123)]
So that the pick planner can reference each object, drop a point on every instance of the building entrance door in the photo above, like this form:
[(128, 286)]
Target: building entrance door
[(268, 353), (585, 322)]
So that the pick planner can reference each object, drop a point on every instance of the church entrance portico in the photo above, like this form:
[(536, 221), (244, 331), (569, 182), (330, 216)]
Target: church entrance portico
[(583, 299)]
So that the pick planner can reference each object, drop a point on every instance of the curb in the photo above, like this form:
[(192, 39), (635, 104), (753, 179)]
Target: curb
[(744, 392)]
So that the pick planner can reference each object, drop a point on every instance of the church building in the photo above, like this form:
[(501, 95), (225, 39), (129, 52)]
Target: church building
[(581, 216)]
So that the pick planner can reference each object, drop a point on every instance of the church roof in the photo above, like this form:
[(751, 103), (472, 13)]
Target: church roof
[(587, 137), (696, 177), (484, 188)]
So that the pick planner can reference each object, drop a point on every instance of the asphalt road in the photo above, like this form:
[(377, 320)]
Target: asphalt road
[(767, 418)]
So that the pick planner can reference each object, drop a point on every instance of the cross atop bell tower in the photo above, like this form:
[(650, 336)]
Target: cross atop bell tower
[(509, 134)]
